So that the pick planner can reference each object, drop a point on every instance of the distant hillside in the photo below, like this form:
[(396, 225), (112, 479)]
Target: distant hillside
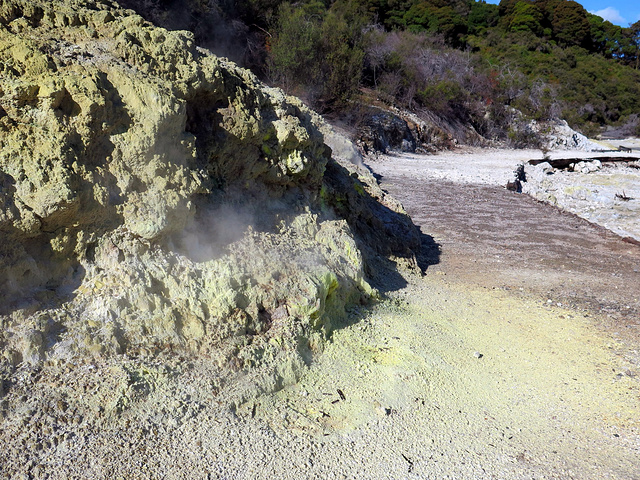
[(462, 60)]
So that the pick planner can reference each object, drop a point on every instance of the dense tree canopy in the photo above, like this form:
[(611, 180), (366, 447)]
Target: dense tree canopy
[(465, 59)]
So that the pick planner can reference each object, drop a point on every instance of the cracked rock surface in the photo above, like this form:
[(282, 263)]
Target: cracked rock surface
[(159, 201)]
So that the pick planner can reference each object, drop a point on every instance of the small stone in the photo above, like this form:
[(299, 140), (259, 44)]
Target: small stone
[(477, 354)]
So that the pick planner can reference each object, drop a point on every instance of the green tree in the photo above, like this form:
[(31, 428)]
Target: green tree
[(342, 51), (634, 43), (482, 16), (436, 17), (526, 17), (318, 53), (294, 49), (505, 12), (570, 24), (605, 36), (450, 24), (417, 18)]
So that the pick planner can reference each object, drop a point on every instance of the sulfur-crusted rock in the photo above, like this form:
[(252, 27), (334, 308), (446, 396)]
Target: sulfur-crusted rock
[(155, 196)]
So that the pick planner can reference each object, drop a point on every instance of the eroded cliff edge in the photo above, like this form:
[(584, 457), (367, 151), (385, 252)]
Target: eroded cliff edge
[(156, 198)]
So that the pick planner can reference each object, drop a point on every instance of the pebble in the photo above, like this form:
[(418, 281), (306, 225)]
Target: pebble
[(477, 354)]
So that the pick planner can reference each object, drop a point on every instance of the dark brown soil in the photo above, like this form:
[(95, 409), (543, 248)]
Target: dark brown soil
[(500, 239)]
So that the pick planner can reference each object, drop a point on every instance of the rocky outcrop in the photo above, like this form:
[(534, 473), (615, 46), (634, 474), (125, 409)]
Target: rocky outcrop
[(392, 129), (603, 193), (155, 196), (558, 135), (384, 131)]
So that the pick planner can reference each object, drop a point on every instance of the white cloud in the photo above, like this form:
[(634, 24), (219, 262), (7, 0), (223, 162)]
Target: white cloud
[(612, 15)]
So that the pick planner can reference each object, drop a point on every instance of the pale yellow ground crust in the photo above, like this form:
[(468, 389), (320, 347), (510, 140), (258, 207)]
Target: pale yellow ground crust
[(478, 374)]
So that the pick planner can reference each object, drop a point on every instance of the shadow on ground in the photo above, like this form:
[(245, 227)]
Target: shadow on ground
[(389, 240)]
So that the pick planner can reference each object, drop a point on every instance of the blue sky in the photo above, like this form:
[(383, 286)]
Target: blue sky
[(618, 12)]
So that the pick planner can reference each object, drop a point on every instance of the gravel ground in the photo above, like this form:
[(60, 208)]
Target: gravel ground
[(609, 197), (514, 357)]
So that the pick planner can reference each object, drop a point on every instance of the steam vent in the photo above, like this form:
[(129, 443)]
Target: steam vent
[(160, 202)]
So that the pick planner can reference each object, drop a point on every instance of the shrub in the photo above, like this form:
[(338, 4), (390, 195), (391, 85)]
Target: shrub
[(318, 52)]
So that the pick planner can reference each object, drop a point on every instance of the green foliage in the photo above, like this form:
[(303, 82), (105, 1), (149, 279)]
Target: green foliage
[(590, 88), (427, 16), (545, 58), (605, 37), (294, 52), (569, 24), (482, 16), (343, 55), (441, 97), (634, 39), (526, 17), (318, 52)]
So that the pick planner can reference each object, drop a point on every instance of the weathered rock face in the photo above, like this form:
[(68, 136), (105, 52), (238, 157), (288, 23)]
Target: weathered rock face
[(154, 195), (399, 130), (557, 135), (384, 131)]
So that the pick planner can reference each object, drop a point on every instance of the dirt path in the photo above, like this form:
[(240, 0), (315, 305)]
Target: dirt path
[(485, 235), (498, 239), (457, 382), (516, 356)]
